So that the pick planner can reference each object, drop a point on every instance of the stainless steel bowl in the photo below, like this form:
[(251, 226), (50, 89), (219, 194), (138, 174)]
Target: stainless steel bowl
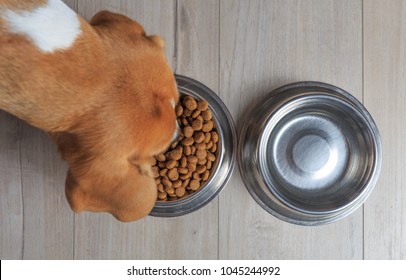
[(310, 153), (225, 158)]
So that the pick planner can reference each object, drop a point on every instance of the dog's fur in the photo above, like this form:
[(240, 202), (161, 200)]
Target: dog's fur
[(106, 101)]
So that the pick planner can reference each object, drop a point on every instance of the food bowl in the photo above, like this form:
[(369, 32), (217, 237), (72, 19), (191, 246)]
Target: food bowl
[(309, 153), (225, 154)]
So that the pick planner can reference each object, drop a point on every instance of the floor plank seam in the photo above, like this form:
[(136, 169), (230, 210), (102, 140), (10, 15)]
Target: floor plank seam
[(175, 34), (19, 129), (363, 102), (219, 93), (74, 237)]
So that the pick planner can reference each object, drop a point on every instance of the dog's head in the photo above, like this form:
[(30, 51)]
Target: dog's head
[(109, 147)]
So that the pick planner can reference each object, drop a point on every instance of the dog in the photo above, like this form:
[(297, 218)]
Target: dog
[(102, 90)]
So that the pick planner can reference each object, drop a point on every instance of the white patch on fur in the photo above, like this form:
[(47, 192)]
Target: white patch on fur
[(51, 27), (173, 103)]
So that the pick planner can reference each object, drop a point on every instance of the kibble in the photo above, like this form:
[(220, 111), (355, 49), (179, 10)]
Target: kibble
[(166, 182), (162, 196), (211, 157), (183, 170), (194, 185), (180, 192), (202, 105), (187, 112), (207, 137), (205, 175), (161, 157), (187, 164), (206, 115), (200, 146), (191, 166), (209, 164), (163, 172), (208, 126), (196, 113), (198, 137), (214, 136), (179, 110), (193, 150), (187, 150), (155, 171), (200, 169), (190, 103), (187, 141), (177, 184), (188, 131), (192, 159), (201, 154), (171, 164), (202, 161), (173, 174), (197, 124)]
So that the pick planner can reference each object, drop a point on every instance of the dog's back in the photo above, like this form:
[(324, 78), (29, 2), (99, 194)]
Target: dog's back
[(43, 49)]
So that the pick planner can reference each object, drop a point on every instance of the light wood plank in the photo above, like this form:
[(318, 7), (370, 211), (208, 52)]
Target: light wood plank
[(100, 236), (385, 97), (198, 41), (48, 219), (11, 206), (264, 45)]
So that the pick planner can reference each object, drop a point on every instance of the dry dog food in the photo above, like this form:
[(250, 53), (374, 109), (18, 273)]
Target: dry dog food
[(188, 163)]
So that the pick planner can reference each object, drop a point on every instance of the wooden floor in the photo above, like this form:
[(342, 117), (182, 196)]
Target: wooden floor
[(241, 50)]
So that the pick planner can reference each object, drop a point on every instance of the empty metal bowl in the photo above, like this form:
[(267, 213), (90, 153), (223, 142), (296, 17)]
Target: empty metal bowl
[(226, 153), (310, 153)]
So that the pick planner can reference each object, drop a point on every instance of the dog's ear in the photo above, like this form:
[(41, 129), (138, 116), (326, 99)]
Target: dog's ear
[(128, 197), (123, 187), (113, 20)]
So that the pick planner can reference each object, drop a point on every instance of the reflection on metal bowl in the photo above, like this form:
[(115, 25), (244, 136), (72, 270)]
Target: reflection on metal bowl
[(310, 153)]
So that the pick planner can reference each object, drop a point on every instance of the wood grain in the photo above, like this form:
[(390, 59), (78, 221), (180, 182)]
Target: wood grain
[(266, 44), (11, 204), (385, 97), (198, 41), (48, 219)]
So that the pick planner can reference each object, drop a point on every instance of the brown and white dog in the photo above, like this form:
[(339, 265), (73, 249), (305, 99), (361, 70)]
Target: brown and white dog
[(102, 90)]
